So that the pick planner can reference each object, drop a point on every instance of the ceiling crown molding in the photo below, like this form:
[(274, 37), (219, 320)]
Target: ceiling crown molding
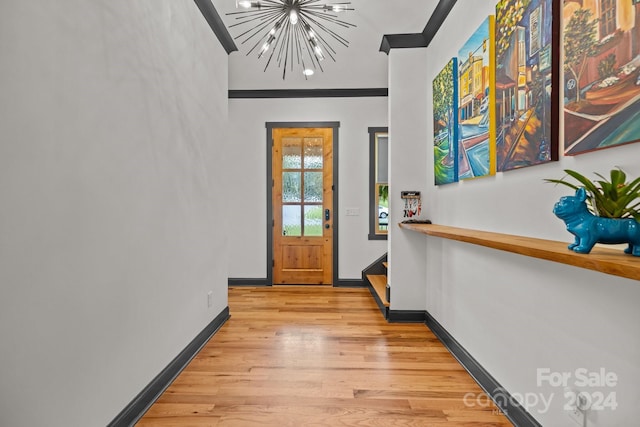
[(215, 22), (308, 93), (403, 41), (400, 41)]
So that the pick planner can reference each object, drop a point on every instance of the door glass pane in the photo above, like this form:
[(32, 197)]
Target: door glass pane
[(291, 220), (291, 187), (313, 153), (313, 187), (291, 153), (313, 220)]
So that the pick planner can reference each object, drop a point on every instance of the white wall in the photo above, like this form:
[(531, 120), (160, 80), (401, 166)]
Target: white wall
[(515, 314), (407, 157), (112, 115), (248, 153)]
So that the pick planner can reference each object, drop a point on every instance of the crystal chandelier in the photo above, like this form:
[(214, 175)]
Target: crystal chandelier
[(291, 32)]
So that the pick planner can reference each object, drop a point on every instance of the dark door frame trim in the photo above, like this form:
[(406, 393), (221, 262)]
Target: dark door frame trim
[(269, 181)]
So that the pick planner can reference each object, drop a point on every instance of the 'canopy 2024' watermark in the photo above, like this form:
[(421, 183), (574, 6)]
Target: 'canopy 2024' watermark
[(582, 388)]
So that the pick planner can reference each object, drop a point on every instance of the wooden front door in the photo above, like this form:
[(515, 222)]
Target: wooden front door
[(302, 206)]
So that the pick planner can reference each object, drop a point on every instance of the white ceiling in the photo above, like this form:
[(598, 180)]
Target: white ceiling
[(361, 65)]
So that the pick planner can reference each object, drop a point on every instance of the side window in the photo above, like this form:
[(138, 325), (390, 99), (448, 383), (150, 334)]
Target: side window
[(378, 183)]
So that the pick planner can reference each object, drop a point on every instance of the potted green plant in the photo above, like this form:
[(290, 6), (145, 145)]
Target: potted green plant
[(607, 198), (601, 211)]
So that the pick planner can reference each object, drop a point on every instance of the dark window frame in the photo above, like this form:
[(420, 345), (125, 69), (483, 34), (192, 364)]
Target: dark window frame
[(373, 208)]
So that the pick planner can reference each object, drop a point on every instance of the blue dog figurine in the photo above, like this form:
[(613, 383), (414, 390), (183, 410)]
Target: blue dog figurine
[(590, 229)]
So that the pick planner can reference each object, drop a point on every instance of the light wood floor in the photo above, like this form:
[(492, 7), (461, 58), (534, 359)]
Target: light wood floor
[(319, 356)]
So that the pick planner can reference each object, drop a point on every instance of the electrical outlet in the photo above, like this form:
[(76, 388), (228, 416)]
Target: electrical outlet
[(209, 299), (577, 416), (577, 406)]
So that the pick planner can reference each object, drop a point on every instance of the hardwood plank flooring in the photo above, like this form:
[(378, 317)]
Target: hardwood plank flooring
[(319, 356)]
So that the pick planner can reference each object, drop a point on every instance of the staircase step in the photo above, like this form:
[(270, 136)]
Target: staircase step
[(379, 283), (386, 264)]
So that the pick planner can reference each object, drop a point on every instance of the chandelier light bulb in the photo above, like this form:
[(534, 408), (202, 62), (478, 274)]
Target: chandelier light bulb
[(293, 16), (335, 7), (317, 50), (264, 49), (244, 4), (266, 45), (275, 29), (310, 33)]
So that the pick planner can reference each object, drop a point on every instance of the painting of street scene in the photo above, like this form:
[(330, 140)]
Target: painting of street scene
[(524, 75), (445, 126), (602, 74), (476, 142)]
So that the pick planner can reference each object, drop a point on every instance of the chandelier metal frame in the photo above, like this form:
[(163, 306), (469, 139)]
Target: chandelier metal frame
[(294, 31)]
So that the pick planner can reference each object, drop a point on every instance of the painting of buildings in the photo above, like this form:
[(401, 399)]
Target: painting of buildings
[(476, 139), (445, 124), (526, 67), (602, 74)]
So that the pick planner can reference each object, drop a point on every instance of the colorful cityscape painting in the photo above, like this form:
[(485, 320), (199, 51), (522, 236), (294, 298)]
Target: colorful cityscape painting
[(445, 124), (601, 74), (476, 139), (525, 69)]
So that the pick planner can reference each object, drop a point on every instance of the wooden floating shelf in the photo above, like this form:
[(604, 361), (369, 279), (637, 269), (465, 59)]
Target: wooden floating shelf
[(604, 260)]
